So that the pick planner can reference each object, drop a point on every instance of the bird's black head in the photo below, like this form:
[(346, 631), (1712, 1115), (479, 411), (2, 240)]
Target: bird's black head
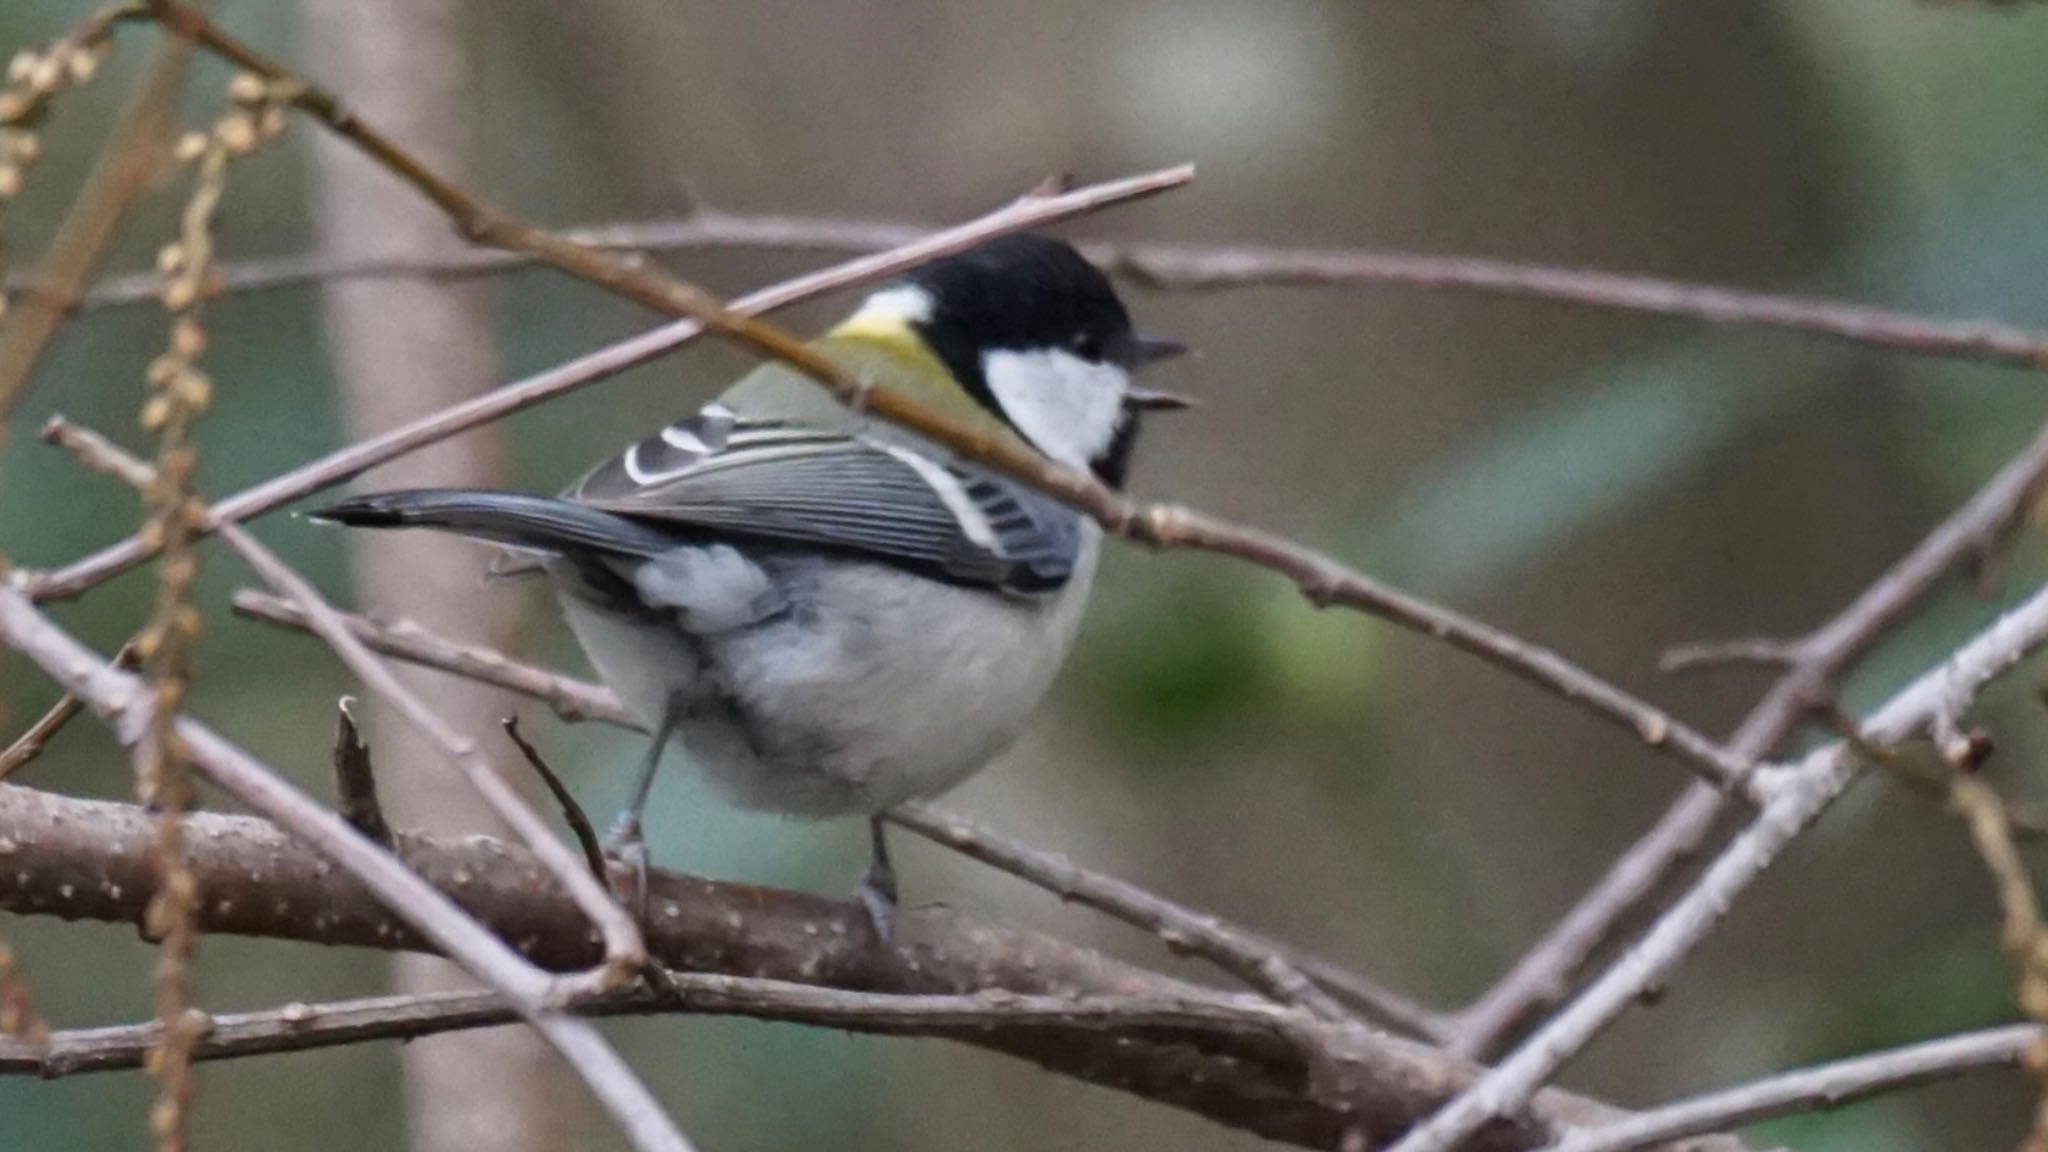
[(1035, 334)]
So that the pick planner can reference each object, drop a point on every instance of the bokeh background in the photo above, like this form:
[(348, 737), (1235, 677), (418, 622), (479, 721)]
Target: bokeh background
[(1607, 484)]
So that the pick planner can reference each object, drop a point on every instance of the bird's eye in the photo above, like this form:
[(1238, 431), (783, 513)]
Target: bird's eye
[(1087, 345)]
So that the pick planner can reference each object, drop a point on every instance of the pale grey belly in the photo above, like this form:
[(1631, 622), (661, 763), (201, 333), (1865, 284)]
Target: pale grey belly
[(868, 688)]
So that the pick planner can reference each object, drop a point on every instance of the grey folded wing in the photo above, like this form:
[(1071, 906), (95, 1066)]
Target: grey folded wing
[(841, 491)]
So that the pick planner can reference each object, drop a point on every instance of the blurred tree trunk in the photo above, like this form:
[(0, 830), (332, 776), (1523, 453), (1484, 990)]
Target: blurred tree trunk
[(403, 348)]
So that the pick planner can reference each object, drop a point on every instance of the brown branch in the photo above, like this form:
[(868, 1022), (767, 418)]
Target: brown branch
[(1181, 266), (1546, 974), (1035, 210), (120, 700), (572, 812), (30, 744), (355, 784), (1232, 1059), (1252, 960), (135, 149), (1235, 949)]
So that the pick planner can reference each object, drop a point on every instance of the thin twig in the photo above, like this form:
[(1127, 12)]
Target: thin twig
[(1814, 1089), (134, 150), (1237, 952), (572, 812), (355, 784), (1550, 969), (122, 701), (30, 744), (1797, 797), (623, 948), (570, 698), (1195, 931), (341, 465), (1196, 267)]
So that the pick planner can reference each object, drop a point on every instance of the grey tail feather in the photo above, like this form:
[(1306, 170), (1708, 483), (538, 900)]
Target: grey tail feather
[(502, 518)]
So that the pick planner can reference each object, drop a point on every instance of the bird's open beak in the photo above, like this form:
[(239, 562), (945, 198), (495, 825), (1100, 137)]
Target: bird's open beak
[(1156, 400), (1151, 350)]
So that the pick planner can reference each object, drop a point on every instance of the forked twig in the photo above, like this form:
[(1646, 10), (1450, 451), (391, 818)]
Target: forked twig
[(1550, 969), (1797, 796), (624, 951)]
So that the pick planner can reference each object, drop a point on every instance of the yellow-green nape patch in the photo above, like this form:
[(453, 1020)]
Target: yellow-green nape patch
[(889, 322)]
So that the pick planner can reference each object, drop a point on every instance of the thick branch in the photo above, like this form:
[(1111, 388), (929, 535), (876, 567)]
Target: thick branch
[(1231, 1058)]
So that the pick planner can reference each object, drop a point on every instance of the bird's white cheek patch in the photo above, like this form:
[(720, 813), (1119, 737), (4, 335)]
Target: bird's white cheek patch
[(1067, 406)]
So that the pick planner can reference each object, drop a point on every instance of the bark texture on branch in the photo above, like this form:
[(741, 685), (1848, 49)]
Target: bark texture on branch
[(89, 860)]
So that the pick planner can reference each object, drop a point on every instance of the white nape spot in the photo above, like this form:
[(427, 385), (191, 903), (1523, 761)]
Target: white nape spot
[(898, 306), (681, 437), (715, 588), (952, 494), (1069, 408)]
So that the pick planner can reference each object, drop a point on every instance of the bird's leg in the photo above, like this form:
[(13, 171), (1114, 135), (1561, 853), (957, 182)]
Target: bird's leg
[(878, 887), (626, 842)]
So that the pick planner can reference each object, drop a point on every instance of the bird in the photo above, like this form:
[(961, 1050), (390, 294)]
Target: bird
[(833, 615)]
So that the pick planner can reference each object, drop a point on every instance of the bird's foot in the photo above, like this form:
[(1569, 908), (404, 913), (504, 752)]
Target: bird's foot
[(625, 848), (877, 894)]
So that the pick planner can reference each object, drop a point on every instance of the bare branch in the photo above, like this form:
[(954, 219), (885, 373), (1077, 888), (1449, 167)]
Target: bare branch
[(1813, 1089), (1256, 962), (1797, 796), (1231, 1058), (1548, 972), (1199, 267), (571, 699)]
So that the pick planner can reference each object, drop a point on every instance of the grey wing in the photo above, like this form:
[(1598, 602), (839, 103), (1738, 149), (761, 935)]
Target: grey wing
[(839, 490)]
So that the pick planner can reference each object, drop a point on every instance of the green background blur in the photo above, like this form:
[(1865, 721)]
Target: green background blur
[(1607, 484)]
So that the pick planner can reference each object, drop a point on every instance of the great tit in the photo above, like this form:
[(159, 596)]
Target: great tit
[(835, 615)]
